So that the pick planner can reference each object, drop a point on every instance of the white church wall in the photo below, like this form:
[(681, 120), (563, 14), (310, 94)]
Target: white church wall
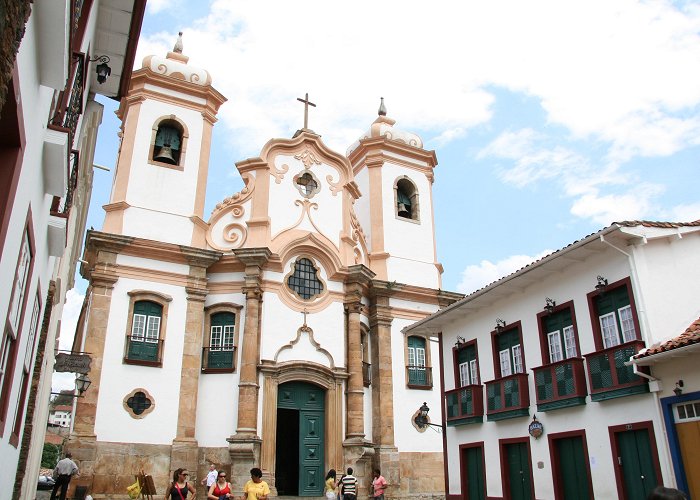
[(112, 421), (152, 264), (413, 306), (407, 401), (175, 93), (217, 407), (223, 278), (327, 219), (157, 226), (280, 325)]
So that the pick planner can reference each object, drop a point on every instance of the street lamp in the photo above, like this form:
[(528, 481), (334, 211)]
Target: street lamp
[(81, 385), (421, 418)]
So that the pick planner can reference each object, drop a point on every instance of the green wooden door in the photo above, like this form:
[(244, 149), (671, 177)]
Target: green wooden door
[(473, 462), (573, 471), (308, 400), (518, 471), (310, 453), (636, 463)]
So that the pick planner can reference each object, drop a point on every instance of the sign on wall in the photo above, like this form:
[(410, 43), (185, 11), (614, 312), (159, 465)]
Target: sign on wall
[(73, 363)]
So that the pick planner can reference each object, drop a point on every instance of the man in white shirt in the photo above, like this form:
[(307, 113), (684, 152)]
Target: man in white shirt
[(211, 476), (64, 471)]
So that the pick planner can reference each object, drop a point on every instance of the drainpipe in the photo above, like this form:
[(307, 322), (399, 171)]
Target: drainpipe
[(654, 383)]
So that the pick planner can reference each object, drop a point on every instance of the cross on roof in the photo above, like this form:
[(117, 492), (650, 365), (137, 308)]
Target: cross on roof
[(307, 103)]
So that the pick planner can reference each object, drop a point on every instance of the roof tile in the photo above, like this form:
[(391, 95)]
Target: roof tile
[(690, 336)]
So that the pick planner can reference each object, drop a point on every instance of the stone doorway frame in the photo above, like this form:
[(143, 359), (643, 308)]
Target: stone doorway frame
[(331, 380)]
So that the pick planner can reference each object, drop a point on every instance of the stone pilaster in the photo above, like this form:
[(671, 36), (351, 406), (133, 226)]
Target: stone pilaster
[(184, 452), (387, 455), (101, 251), (356, 286), (244, 446)]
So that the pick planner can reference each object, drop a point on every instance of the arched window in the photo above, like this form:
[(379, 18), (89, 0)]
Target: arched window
[(221, 326), (406, 199), (304, 281), (418, 367), (168, 143)]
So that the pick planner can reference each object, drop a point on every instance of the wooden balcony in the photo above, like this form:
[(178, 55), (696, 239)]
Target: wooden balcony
[(609, 377), (218, 360), (507, 397), (419, 377), (561, 384), (465, 405)]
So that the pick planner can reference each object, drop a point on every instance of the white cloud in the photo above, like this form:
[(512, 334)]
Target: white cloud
[(475, 277), (608, 208), (618, 71), (156, 6)]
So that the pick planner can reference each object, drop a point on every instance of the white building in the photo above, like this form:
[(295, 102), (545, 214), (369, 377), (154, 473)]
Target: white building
[(60, 415), (48, 126), (268, 334), (554, 341)]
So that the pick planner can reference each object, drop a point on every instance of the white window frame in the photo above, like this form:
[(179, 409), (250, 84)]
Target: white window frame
[(569, 342), (517, 359), (504, 357), (420, 357), (629, 333), (690, 411), (474, 372), (138, 327), (555, 349), (215, 338), (153, 329), (610, 334), (20, 285), (464, 374), (227, 337)]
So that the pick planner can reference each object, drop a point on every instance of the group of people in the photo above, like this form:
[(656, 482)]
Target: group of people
[(345, 487), (218, 487)]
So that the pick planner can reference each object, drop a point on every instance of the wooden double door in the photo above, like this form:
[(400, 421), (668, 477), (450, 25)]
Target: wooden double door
[(300, 439)]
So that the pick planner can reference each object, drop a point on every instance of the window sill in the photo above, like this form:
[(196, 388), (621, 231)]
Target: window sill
[(142, 362)]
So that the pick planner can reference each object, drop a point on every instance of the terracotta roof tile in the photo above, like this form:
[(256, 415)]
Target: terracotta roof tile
[(690, 336), (648, 223)]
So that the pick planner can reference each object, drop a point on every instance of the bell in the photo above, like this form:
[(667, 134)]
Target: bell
[(165, 155), (404, 211)]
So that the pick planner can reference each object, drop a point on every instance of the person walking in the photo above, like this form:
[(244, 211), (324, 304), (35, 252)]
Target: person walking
[(211, 477), (63, 473), (378, 485), (221, 489), (256, 488), (331, 485), (348, 486), (178, 489)]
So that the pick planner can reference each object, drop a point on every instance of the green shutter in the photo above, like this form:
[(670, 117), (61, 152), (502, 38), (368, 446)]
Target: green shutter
[(417, 376), (466, 354), (148, 308)]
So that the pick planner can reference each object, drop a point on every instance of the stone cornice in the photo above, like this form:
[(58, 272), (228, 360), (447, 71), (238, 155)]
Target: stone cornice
[(253, 257), (199, 257)]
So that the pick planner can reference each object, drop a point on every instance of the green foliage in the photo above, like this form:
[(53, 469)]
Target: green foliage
[(49, 457)]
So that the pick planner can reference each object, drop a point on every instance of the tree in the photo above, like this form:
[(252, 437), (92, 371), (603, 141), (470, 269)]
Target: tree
[(49, 457)]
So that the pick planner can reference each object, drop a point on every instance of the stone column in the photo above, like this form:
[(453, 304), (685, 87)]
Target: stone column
[(185, 450), (101, 252), (244, 446), (387, 455), (356, 286)]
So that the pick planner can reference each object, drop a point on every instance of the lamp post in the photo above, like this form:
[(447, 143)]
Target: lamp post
[(81, 385)]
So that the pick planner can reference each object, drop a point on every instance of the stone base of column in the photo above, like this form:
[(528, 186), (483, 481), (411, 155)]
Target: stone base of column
[(359, 455), (386, 459), (184, 453), (245, 454), (84, 451)]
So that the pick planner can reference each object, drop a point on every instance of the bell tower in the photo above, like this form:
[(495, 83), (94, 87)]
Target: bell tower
[(395, 176), (160, 180)]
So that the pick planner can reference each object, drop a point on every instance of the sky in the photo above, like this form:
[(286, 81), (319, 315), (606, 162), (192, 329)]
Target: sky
[(550, 119)]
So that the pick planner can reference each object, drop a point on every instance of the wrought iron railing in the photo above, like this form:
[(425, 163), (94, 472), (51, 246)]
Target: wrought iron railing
[(61, 206), (143, 351), (419, 376), (69, 104), (366, 374), (217, 359), (465, 403)]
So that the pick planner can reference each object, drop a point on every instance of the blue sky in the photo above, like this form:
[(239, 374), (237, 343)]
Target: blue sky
[(550, 119)]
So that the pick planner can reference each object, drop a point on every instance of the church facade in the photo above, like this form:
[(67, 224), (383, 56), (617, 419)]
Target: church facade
[(270, 334)]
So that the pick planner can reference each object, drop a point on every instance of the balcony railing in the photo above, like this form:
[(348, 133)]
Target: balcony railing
[(465, 405), (508, 397), (419, 377), (141, 351), (69, 105), (609, 377), (560, 384), (218, 360), (366, 374), (60, 207)]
